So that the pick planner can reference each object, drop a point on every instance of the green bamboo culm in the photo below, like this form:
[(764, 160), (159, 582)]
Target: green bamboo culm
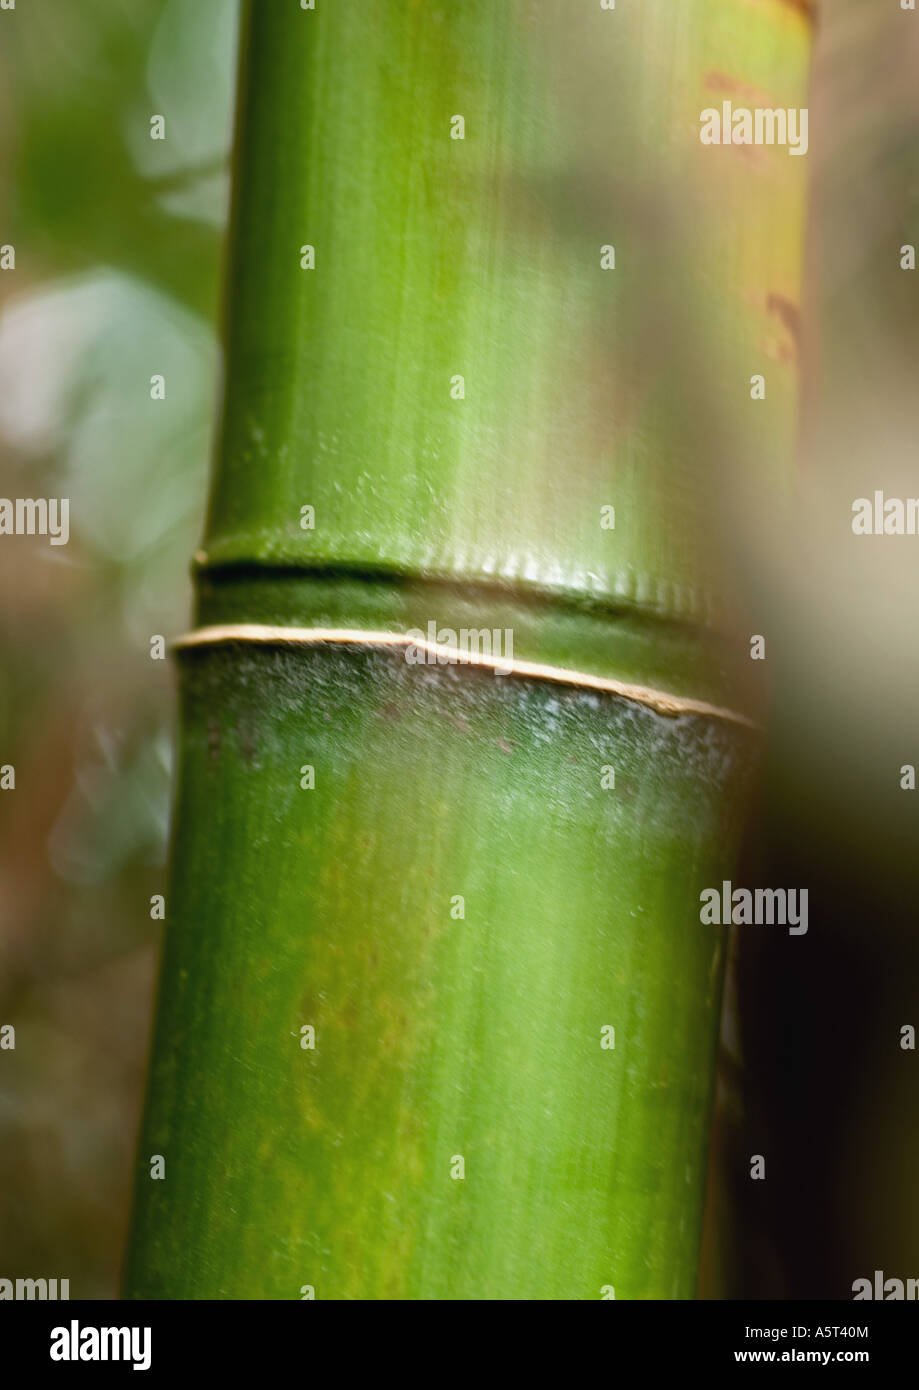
[(437, 1014)]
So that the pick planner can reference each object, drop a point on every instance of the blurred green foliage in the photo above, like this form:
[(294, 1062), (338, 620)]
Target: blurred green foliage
[(118, 254)]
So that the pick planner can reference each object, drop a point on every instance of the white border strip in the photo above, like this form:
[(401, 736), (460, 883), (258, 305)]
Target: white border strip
[(662, 703)]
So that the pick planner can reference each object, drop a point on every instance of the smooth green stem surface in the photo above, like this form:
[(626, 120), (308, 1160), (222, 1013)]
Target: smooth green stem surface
[(440, 393)]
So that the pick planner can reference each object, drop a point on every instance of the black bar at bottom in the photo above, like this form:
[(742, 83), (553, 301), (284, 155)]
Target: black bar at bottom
[(277, 1342)]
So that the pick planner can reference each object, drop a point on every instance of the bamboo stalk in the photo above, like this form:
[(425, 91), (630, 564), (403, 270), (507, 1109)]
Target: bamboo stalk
[(462, 881)]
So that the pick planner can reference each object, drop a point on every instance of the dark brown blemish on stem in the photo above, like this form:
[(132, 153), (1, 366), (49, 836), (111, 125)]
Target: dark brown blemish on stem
[(213, 739), (247, 742), (788, 314), (717, 81), (806, 8)]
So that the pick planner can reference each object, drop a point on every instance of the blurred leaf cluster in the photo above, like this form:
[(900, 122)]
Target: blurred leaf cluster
[(118, 252)]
